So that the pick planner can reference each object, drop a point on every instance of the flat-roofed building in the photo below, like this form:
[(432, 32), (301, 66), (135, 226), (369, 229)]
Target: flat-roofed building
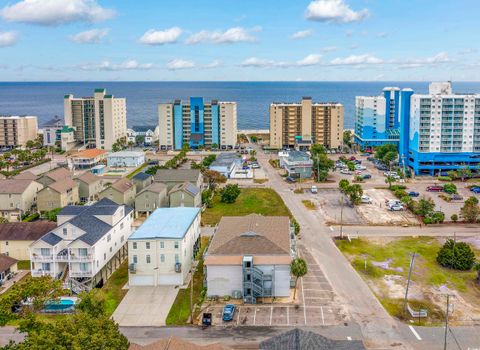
[(300, 125), (15, 131)]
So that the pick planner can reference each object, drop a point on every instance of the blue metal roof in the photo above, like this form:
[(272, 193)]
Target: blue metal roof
[(166, 223)]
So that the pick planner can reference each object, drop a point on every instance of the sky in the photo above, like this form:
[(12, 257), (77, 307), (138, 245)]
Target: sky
[(239, 40)]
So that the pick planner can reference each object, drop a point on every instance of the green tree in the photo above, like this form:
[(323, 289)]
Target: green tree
[(425, 206), (93, 303), (381, 152), (347, 138), (389, 179), (213, 178), (354, 193), (454, 217), (52, 214), (477, 268), (470, 210), (452, 174), (350, 166), (450, 188), (3, 220), (343, 184), (230, 193), (139, 139), (322, 165), (207, 197), (464, 172), (30, 144), (317, 149), (298, 268), (456, 255)]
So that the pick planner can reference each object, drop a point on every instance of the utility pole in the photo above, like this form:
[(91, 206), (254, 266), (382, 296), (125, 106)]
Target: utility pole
[(192, 271), (446, 322), (341, 216), (412, 261)]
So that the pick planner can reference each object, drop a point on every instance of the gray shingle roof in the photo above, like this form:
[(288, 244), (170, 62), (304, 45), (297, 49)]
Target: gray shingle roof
[(186, 186), (297, 339), (141, 176), (51, 238), (177, 175)]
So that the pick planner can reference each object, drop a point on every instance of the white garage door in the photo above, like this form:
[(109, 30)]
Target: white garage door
[(170, 280), (145, 280)]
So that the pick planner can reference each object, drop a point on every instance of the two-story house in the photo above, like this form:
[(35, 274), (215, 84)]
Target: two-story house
[(54, 175), (122, 191), (88, 244), (89, 186), (172, 177), (161, 251), (151, 197), (17, 197), (185, 195), (58, 195)]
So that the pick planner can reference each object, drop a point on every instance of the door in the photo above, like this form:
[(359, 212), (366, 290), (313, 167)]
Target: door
[(145, 280)]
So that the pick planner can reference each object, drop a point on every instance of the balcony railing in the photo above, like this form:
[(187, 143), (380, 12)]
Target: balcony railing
[(40, 273), (86, 273), (88, 257), (36, 257)]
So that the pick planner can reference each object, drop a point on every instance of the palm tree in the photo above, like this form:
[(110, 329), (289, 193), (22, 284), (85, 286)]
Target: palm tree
[(389, 179), (298, 268)]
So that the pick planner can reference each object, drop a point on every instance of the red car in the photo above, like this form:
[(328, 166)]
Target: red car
[(352, 158), (435, 189)]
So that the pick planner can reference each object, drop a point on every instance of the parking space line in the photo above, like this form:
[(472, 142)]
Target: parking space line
[(271, 314), (349, 338), (320, 290), (254, 315), (303, 297), (415, 333), (288, 316), (323, 319)]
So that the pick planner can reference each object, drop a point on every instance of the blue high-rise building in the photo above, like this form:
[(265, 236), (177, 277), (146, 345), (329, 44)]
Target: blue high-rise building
[(197, 124)]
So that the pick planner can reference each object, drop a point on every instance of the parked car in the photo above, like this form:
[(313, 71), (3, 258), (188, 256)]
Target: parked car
[(360, 167), (413, 194), (357, 162), (371, 159), (396, 207), (366, 176), (366, 154), (456, 197), (314, 189), (475, 189), (390, 173), (346, 172), (228, 311), (255, 166), (290, 179), (366, 199), (435, 189), (352, 158)]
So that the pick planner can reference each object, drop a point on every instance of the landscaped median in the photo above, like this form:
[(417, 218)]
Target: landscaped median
[(384, 264)]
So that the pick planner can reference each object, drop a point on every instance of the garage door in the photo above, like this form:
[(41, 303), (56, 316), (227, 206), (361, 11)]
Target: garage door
[(170, 280), (145, 280)]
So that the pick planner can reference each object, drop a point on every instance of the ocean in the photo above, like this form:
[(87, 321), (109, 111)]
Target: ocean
[(45, 99)]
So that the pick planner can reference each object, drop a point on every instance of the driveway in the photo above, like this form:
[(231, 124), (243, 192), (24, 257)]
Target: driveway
[(145, 306)]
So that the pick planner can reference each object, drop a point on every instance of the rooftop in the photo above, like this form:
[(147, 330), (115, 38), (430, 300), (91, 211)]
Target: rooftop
[(6, 261), (166, 223), (123, 185), (63, 185), (58, 174), (187, 187), (126, 154), (89, 153), (142, 176), (14, 186), (88, 178), (26, 175), (25, 231), (177, 175), (250, 235), (225, 159), (156, 187)]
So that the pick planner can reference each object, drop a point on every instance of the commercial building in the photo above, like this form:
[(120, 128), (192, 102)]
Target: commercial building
[(441, 132), (17, 197), (161, 251), (198, 124), (88, 244), (15, 131), (297, 164), (249, 257), (16, 237), (99, 120), (300, 125), (377, 118), (126, 159)]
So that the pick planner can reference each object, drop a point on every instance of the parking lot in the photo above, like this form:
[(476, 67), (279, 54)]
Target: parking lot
[(316, 305)]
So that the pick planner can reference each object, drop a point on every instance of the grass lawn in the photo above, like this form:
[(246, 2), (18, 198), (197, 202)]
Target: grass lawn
[(427, 272), (180, 311), (23, 264), (112, 290), (309, 204), (263, 201), (139, 169)]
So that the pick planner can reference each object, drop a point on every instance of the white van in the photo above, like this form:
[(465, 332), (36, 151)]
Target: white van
[(314, 189)]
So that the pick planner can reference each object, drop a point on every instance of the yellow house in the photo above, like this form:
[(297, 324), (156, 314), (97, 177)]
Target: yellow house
[(58, 195)]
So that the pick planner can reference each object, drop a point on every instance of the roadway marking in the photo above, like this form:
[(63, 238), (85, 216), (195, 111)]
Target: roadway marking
[(271, 314), (303, 297), (415, 333), (323, 319), (254, 315)]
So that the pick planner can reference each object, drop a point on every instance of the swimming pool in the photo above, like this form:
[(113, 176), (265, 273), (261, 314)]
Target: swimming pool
[(62, 305)]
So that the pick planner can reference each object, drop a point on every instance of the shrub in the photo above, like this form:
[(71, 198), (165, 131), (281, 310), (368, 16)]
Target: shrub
[(296, 226), (406, 199), (444, 178), (445, 197), (398, 187), (230, 193), (454, 217), (437, 217), (450, 188), (470, 210), (456, 255), (400, 193)]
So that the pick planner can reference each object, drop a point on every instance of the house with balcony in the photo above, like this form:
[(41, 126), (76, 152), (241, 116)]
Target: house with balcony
[(88, 244), (185, 195), (161, 251), (249, 257), (89, 186), (58, 195), (17, 196), (54, 175), (88, 158)]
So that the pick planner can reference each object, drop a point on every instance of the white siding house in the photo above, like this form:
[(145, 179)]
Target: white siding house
[(126, 159), (161, 251)]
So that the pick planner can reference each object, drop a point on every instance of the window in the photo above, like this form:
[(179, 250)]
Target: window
[(122, 239), (162, 245), (162, 258), (134, 245), (46, 266), (148, 259), (44, 251), (147, 245), (83, 267), (65, 231), (135, 260), (109, 237), (104, 256), (121, 226), (110, 249), (176, 244), (177, 258), (6, 242), (82, 251)]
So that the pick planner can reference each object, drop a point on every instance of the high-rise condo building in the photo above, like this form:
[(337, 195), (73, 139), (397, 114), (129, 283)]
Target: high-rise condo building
[(442, 130), (99, 120), (299, 125), (198, 124), (377, 118), (15, 131)]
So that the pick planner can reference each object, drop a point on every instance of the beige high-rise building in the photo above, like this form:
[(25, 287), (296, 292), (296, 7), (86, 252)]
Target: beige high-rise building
[(197, 123), (100, 120), (300, 125), (15, 131)]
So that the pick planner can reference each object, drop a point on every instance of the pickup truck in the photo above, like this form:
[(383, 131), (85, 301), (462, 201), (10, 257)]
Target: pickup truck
[(435, 188)]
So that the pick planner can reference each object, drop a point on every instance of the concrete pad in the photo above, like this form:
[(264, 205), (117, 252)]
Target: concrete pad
[(262, 316), (145, 306), (296, 316), (279, 316)]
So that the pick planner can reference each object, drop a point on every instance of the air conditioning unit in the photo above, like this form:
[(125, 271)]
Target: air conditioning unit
[(132, 268), (178, 267)]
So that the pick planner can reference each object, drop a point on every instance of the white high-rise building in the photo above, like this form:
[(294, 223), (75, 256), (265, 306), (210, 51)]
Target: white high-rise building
[(100, 120)]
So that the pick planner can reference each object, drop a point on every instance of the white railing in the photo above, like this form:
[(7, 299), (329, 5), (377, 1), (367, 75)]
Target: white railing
[(81, 257), (39, 273), (63, 258), (80, 273), (42, 257)]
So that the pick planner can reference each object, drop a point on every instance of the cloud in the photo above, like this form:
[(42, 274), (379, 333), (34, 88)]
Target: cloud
[(213, 64), (301, 34), (8, 38), (179, 63), (55, 12), (334, 11), (93, 36), (107, 66), (161, 37), (356, 60), (439, 58), (230, 36), (329, 49), (309, 60)]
